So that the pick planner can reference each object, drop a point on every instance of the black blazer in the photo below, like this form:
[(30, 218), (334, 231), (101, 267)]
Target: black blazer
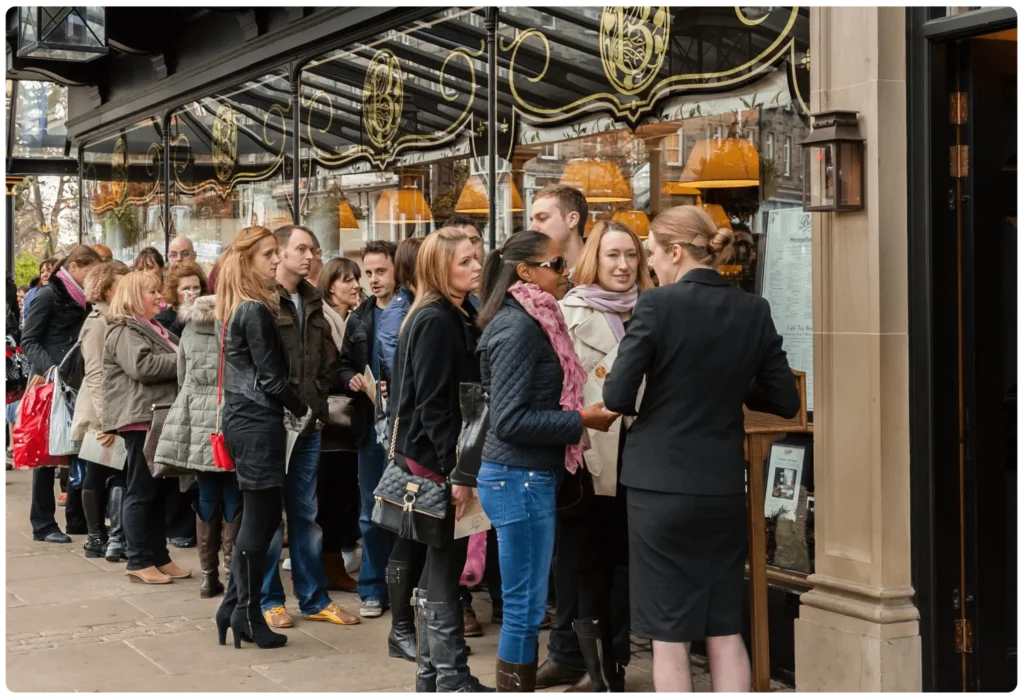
[(706, 348)]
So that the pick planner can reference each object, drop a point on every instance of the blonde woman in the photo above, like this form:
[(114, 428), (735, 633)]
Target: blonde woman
[(99, 289), (140, 367), (592, 562), (705, 348), (257, 392)]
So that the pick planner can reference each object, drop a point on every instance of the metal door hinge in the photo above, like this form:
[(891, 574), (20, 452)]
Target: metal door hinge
[(958, 108), (958, 156), (964, 636)]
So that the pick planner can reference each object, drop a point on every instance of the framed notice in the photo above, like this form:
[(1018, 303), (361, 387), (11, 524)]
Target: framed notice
[(785, 282), (785, 475)]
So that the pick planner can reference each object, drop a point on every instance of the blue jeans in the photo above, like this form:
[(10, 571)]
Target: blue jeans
[(221, 489), (377, 542), (521, 506), (305, 539)]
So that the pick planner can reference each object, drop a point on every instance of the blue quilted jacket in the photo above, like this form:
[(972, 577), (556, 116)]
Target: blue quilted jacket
[(522, 376)]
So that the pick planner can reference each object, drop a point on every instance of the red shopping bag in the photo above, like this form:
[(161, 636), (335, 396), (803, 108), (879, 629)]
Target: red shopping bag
[(31, 435)]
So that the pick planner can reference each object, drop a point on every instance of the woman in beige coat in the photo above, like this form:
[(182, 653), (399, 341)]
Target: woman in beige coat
[(593, 546), (99, 289)]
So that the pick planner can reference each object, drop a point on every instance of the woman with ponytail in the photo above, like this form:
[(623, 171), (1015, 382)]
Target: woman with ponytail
[(537, 420), (706, 349)]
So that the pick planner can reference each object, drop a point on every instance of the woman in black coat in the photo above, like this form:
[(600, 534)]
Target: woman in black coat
[(706, 348), (436, 353), (51, 329), (257, 392)]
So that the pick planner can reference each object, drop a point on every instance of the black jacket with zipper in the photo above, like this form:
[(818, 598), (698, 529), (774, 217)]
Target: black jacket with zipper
[(52, 326), (436, 353), (307, 347), (360, 333)]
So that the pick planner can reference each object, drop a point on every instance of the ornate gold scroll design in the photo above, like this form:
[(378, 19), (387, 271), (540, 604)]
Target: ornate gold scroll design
[(634, 41), (633, 109), (118, 199)]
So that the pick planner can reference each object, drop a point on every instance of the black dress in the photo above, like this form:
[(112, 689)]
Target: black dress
[(256, 393)]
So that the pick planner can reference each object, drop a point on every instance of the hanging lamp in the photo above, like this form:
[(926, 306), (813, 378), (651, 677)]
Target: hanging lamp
[(473, 199), (722, 164), (346, 218), (718, 215), (405, 205), (601, 181), (635, 220)]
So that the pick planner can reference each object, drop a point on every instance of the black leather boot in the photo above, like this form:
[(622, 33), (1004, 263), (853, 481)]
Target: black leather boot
[(247, 618), (116, 547), (402, 639), (426, 674), (599, 656), (96, 542), (516, 677), (208, 539), (448, 647)]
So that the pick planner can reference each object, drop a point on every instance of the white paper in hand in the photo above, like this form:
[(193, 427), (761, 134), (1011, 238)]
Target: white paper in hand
[(113, 457), (290, 439), (371, 385), (474, 519)]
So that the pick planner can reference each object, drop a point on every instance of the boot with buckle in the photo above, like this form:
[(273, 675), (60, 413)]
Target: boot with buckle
[(402, 638), (96, 543), (516, 677), (445, 634)]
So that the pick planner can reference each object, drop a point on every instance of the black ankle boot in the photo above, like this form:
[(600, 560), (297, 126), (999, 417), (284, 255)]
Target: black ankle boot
[(448, 647), (92, 505), (599, 656), (247, 618), (402, 639)]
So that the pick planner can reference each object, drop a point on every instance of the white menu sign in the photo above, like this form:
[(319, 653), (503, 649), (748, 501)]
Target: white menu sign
[(786, 285)]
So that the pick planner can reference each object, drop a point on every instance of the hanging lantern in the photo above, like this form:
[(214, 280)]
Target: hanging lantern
[(600, 181), (636, 221), (346, 218), (62, 33), (473, 199), (722, 164), (718, 215), (833, 156), (405, 205)]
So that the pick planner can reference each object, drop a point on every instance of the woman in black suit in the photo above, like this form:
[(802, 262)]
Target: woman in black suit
[(705, 348)]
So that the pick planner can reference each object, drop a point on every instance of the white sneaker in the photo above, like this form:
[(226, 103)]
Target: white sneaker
[(287, 565), (351, 560)]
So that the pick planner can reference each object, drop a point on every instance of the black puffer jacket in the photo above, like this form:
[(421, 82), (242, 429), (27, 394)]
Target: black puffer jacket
[(521, 374), (256, 362), (52, 326), (436, 352)]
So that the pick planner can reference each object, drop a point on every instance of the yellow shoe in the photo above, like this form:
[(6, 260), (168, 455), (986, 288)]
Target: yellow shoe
[(278, 618), (334, 614)]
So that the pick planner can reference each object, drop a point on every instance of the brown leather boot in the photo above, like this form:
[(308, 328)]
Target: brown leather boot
[(228, 533), (337, 578), (470, 624), (208, 538), (516, 677)]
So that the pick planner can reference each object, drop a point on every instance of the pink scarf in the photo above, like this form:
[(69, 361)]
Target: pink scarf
[(543, 307), (76, 291), (159, 329)]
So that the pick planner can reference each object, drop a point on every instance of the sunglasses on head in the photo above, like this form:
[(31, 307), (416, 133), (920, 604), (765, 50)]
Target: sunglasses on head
[(557, 264)]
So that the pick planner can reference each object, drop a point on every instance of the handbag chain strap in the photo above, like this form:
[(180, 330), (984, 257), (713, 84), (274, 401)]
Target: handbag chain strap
[(220, 372), (398, 396)]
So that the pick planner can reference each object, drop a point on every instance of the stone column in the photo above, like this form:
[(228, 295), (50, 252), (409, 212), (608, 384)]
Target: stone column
[(858, 626)]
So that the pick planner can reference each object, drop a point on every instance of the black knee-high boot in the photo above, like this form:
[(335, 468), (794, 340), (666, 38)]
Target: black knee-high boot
[(402, 639), (599, 656), (247, 619)]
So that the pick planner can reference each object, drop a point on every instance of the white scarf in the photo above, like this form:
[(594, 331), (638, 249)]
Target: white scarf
[(337, 324)]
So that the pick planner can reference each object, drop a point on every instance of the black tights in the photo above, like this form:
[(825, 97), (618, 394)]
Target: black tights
[(441, 567), (261, 517)]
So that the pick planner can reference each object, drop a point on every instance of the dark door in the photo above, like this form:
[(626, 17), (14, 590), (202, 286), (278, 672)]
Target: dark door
[(985, 633)]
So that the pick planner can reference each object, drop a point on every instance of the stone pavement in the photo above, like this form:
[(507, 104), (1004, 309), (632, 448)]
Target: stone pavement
[(77, 624)]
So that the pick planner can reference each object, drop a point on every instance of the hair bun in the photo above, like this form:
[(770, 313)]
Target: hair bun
[(721, 241)]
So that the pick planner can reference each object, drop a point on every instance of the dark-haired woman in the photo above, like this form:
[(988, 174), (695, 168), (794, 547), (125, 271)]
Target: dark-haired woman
[(705, 348), (537, 420), (149, 259), (436, 353), (51, 329)]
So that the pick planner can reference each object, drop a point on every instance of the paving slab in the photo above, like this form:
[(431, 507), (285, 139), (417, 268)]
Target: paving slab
[(82, 668), (80, 613)]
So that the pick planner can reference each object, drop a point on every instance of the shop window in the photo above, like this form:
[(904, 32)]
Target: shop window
[(769, 146), (674, 149), (549, 152), (230, 158), (123, 190), (787, 157)]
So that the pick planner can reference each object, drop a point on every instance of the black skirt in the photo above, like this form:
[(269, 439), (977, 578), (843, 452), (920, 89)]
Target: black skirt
[(257, 441), (686, 557)]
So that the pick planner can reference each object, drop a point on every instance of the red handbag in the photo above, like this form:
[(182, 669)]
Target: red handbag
[(222, 459), (31, 434)]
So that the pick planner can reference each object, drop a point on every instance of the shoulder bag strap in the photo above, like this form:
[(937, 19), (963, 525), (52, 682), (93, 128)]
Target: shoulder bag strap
[(220, 372), (398, 396)]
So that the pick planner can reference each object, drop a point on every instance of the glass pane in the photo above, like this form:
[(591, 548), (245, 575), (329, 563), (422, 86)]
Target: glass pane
[(123, 190), (850, 175), (820, 160), (40, 115), (229, 155), (45, 221)]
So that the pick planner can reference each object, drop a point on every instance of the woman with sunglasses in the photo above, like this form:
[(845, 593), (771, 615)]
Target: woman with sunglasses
[(537, 420)]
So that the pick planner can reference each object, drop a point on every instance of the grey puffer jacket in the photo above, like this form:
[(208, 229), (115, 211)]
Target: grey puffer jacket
[(523, 378), (185, 441)]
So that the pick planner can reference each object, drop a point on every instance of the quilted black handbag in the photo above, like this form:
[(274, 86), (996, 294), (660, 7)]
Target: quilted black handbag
[(475, 423), (413, 507)]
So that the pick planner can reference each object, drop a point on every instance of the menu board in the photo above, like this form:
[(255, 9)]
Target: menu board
[(787, 285)]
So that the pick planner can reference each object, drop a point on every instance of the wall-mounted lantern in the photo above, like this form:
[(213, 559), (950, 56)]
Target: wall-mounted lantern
[(833, 163), (62, 33)]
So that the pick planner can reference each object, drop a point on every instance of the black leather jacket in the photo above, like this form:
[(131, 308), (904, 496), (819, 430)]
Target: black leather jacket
[(256, 362), (52, 326)]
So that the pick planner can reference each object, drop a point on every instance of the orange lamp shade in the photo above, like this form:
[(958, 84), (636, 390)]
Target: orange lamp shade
[(718, 215), (599, 180), (406, 205), (473, 199), (346, 218), (725, 164), (636, 220), (680, 189)]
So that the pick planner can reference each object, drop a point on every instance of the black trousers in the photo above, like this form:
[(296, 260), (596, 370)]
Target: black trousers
[(337, 493), (98, 477), (144, 510), (439, 567), (44, 505), (180, 515)]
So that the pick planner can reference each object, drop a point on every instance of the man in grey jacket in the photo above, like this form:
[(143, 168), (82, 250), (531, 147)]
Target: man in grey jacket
[(305, 334)]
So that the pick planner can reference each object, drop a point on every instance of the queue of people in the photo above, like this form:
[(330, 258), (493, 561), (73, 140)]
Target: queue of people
[(610, 471)]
